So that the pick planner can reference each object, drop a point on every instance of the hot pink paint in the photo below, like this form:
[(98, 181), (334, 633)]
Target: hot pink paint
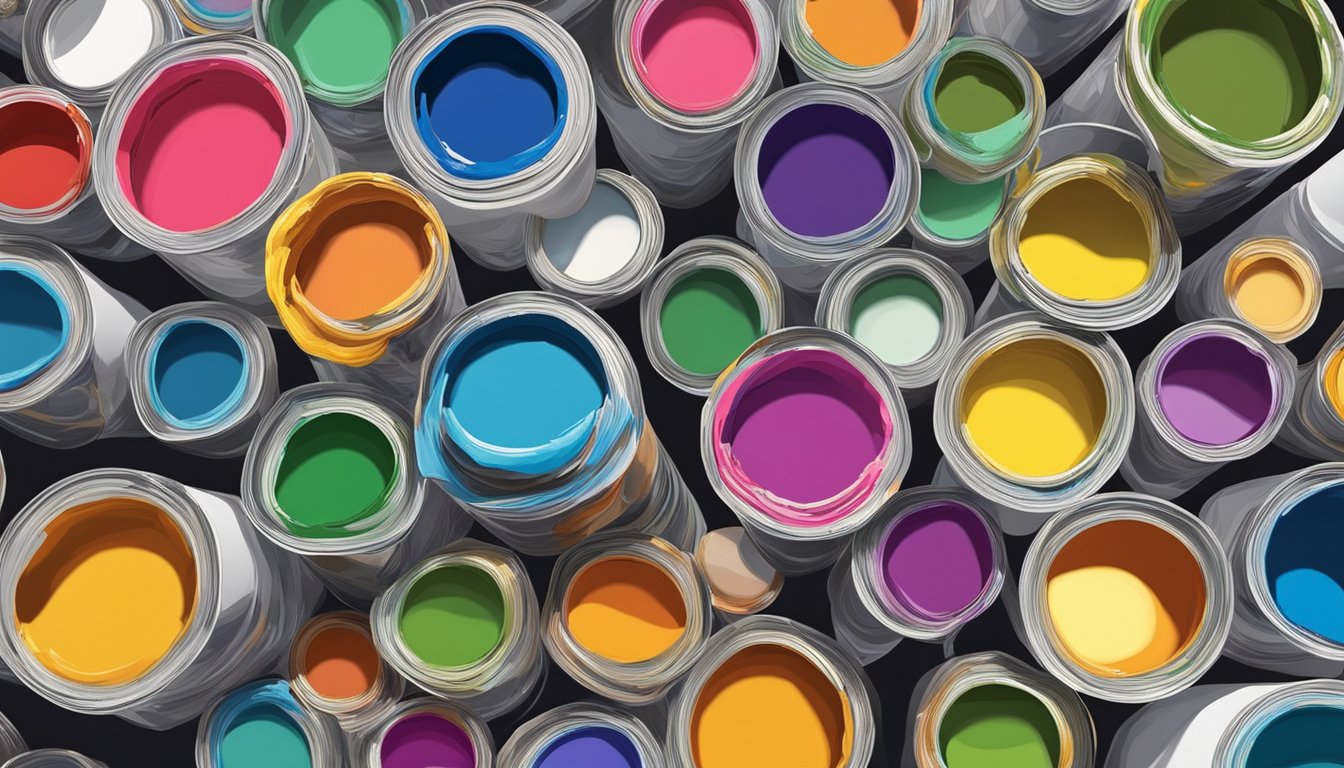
[(201, 143), (694, 56)]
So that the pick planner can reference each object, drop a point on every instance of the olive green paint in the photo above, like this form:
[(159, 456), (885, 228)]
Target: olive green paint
[(999, 725), (452, 616), (976, 93)]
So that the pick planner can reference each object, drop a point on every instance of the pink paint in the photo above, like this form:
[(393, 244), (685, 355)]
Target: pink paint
[(694, 56), (202, 143)]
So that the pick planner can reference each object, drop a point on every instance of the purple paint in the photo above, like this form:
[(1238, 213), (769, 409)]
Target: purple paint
[(426, 740), (937, 560), (591, 746), (1215, 390), (825, 169)]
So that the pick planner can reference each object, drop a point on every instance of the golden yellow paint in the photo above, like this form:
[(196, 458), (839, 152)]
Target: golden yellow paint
[(626, 609), (1272, 287), (863, 33), (1334, 381), (1082, 240), (108, 593), (1033, 407)]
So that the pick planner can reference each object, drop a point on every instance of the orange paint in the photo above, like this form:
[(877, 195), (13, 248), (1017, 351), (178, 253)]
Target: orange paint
[(340, 662), (626, 609), (362, 258), (863, 33)]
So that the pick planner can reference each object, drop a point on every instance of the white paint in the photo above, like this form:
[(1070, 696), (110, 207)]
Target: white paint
[(598, 241), (91, 43), (1325, 195)]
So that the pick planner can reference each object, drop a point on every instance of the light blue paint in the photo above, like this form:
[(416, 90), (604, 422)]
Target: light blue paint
[(1309, 737), (1304, 566), (34, 325), (197, 373)]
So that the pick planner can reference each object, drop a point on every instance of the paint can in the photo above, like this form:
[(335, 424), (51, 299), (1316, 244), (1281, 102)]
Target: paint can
[(770, 691), (64, 383), (530, 415), (1048, 33), (706, 302), (261, 723), (741, 581), (676, 91), (335, 669), (1025, 374), (220, 107), (46, 183), (463, 624), (952, 220), (360, 272), (626, 616), (1220, 141), (209, 17), (1124, 597), (907, 307), (929, 562), (988, 707), (83, 48), (1281, 534), (804, 437), (427, 731), (602, 254), (1315, 424), (331, 476), (823, 173), (1269, 283), (11, 29), (53, 758), (11, 741), (202, 374), (593, 734), (166, 597), (877, 47), (530, 150), (1210, 393)]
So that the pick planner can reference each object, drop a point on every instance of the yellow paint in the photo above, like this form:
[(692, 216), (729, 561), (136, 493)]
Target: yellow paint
[(1033, 407), (1083, 241), (109, 592), (1272, 287), (626, 609), (1334, 381)]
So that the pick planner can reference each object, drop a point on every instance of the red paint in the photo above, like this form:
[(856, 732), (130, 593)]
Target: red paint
[(44, 154)]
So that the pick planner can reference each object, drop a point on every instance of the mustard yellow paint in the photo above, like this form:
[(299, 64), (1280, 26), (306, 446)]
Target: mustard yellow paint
[(1272, 287), (1033, 407), (1334, 381)]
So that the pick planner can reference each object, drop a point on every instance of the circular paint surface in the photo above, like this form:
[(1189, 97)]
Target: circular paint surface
[(337, 470), (937, 561), (1303, 569), (340, 662), (1269, 290), (625, 609), (1300, 737), (1215, 390), (453, 616), (899, 317), (998, 725), (695, 56), (863, 33), (734, 567), (197, 373), (34, 324), (264, 734), (43, 156), (590, 746), (709, 317), (423, 739), (92, 43), (599, 241)]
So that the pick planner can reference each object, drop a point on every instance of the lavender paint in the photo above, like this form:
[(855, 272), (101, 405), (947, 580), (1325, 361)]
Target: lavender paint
[(1214, 390)]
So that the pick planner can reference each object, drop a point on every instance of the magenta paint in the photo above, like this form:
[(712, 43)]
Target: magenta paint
[(806, 427), (1215, 390), (425, 739), (937, 560)]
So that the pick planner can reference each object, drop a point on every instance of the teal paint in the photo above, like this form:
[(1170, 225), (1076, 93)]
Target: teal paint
[(957, 212), (197, 373), (258, 725), (1309, 737), (1303, 565), (34, 325), (899, 317)]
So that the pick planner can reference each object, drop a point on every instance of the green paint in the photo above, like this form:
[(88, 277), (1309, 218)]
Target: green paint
[(337, 469), (265, 736), (955, 211), (341, 48), (998, 725), (1249, 69), (976, 93), (708, 318), (898, 317), (452, 616)]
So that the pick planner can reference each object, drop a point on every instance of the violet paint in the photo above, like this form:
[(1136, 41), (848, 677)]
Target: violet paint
[(1215, 390), (426, 739), (825, 169), (937, 560), (591, 746)]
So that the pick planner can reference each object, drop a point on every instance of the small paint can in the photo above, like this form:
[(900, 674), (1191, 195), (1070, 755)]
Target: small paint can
[(1269, 283), (167, 597), (1211, 392), (487, 163), (426, 731), (211, 17), (804, 437), (963, 707), (201, 376), (544, 440), (53, 758), (222, 108), (1315, 424), (676, 91), (1164, 583), (463, 624), (1025, 374), (821, 702), (824, 173), (54, 199), (952, 220), (262, 721), (583, 734), (65, 384), (706, 302), (360, 272), (1279, 533), (331, 476), (11, 741), (927, 564), (907, 307), (335, 669), (604, 253), (741, 581), (11, 30), (1048, 33), (626, 616)]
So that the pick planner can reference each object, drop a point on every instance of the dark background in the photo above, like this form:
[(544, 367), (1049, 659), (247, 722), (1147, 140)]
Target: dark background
[(675, 416)]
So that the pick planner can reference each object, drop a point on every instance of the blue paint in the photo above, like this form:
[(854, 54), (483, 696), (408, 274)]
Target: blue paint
[(1303, 563), (489, 102), (1309, 737), (590, 746), (197, 373), (34, 325)]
